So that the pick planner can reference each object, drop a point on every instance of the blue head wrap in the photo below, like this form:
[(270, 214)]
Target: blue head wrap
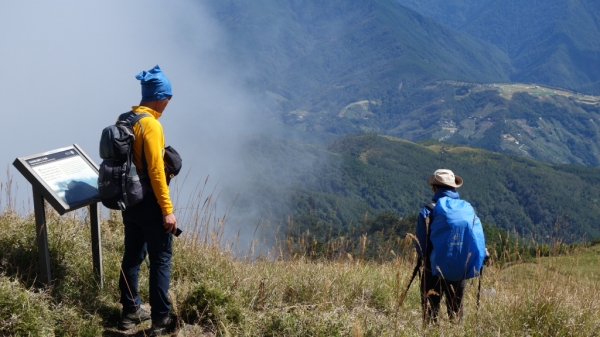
[(155, 85)]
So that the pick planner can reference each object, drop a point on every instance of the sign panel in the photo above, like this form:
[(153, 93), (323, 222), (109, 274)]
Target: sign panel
[(67, 175)]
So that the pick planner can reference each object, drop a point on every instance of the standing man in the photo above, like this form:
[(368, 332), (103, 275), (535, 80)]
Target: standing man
[(149, 225), (451, 246)]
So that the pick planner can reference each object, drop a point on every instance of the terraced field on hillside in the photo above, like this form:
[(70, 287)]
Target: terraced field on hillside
[(507, 90)]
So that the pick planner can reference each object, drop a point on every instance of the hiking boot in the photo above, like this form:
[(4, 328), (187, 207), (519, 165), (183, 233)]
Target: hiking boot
[(130, 319), (167, 324)]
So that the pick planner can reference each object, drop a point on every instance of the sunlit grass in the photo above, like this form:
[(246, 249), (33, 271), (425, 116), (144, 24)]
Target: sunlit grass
[(584, 264), (280, 295)]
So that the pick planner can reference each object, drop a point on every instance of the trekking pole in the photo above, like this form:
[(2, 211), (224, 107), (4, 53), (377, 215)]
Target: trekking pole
[(485, 261), (479, 287), (414, 274)]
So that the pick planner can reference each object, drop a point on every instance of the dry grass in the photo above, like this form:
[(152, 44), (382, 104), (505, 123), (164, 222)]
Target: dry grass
[(270, 296)]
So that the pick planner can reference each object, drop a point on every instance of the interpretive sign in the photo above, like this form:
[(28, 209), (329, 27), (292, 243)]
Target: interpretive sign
[(68, 176), (68, 179)]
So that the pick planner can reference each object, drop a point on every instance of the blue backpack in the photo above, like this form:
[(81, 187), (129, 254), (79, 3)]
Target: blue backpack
[(458, 242)]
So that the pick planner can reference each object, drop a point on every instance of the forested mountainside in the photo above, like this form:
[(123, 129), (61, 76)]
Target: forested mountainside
[(320, 55), (555, 42), (359, 176)]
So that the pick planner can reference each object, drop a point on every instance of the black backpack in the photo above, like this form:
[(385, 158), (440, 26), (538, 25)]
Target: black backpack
[(119, 183)]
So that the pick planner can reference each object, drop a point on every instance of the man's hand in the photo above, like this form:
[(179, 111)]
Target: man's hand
[(170, 223)]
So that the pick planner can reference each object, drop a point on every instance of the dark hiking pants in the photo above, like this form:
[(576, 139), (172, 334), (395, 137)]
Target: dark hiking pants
[(144, 233), (432, 289)]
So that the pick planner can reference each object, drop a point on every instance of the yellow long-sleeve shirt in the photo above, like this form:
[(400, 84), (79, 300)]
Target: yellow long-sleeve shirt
[(154, 145)]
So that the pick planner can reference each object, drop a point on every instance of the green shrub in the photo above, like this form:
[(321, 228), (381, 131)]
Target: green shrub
[(24, 312), (302, 323), (33, 313), (70, 322), (594, 241), (18, 248), (209, 306)]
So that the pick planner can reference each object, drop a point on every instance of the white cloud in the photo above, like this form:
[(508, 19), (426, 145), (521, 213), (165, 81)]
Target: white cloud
[(68, 69)]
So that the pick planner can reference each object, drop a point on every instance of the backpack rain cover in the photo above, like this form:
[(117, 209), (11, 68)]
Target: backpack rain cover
[(458, 241)]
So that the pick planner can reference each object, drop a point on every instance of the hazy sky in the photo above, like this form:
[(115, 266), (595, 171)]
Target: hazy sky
[(68, 70)]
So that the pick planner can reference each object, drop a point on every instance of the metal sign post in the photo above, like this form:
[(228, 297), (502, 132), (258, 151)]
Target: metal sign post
[(67, 179), (96, 244), (42, 236)]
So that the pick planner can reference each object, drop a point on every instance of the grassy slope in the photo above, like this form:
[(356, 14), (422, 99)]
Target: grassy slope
[(281, 296), (582, 265)]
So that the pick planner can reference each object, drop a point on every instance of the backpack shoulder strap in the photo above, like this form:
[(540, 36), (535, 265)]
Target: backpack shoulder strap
[(137, 117), (132, 118), (428, 220)]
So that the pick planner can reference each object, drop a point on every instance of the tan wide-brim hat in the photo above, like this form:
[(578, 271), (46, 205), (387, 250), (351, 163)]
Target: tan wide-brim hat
[(444, 177)]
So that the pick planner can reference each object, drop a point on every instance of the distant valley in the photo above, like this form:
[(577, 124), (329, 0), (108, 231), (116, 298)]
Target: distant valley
[(343, 81), (548, 124), (334, 68)]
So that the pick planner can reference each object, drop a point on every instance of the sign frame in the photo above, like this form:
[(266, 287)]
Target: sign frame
[(43, 192), (48, 193)]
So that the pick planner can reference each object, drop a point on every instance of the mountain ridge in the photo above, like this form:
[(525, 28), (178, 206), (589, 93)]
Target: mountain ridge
[(332, 51), (555, 42), (366, 174)]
